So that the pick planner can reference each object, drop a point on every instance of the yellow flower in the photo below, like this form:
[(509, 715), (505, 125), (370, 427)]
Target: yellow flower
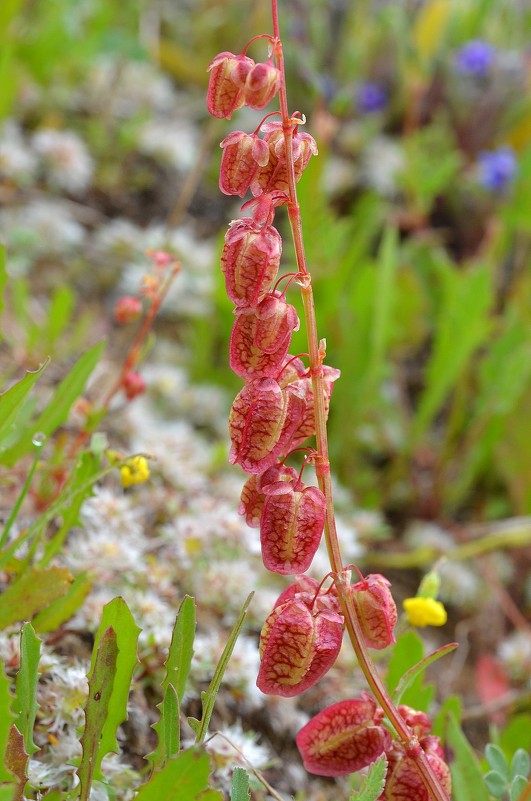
[(425, 612), (134, 471)]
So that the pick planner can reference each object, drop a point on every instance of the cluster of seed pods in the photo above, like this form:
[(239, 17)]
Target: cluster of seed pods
[(272, 416)]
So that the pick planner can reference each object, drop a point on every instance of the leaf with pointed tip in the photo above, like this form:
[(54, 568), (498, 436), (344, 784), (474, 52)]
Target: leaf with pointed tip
[(57, 410), (373, 782), (12, 401), (116, 615), (56, 613), (177, 668), (407, 651), (240, 790), (16, 761), (101, 684), (208, 698), (418, 670), (33, 591), (25, 703), (6, 719), (184, 777)]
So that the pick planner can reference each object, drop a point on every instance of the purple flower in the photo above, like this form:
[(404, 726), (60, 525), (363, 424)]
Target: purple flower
[(496, 168), (475, 58), (370, 98)]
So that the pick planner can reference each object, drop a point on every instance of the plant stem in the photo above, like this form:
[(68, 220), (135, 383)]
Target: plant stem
[(322, 463)]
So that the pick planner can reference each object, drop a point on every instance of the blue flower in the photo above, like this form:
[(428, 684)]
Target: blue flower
[(475, 58), (497, 168), (370, 98)]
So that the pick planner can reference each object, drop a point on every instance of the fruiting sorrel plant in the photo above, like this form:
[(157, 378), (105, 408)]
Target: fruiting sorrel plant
[(284, 401)]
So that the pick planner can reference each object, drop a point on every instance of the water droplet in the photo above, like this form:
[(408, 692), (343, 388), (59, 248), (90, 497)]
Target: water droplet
[(39, 439)]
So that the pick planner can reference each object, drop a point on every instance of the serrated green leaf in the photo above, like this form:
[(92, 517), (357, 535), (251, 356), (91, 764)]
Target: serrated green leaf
[(116, 615), (496, 759), (520, 764), (7, 718), (518, 785), (12, 400), (33, 591), (240, 790), (467, 776), (181, 648), (57, 410), (418, 670), (208, 698), (496, 783), (102, 680), (373, 782), (184, 777), (62, 609), (25, 703)]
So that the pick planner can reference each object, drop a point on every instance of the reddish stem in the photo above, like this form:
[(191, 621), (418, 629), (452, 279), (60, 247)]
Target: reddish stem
[(322, 464)]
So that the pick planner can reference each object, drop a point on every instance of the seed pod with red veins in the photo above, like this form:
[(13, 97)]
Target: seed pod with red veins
[(261, 337), (418, 722), (299, 643), (252, 497), (243, 155), (250, 261), (403, 781), (376, 610), (228, 73), (274, 176), (305, 386), (261, 85), (291, 527), (343, 738), (261, 424)]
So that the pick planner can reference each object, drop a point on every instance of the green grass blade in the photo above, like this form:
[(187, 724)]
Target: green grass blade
[(57, 410), (7, 718), (116, 615), (240, 790), (101, 684), (25, 704), (185, 778), (373, 782), (59, 315), (33, 591), (12, 400), (462, 326), (208, 698)]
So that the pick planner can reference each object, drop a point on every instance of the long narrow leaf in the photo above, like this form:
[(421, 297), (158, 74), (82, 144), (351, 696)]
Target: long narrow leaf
[(101, 684), (208, 698), (12, 400), (116, 615), (25, 704), (57, 410), (33, 591), (467, 776), (7, 718), (173, 685), (418, 670)]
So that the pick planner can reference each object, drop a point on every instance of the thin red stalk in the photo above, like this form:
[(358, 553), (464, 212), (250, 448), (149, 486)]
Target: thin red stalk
[(322, 463)]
